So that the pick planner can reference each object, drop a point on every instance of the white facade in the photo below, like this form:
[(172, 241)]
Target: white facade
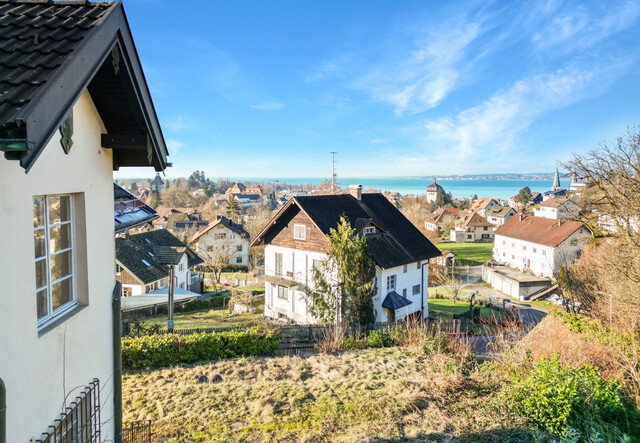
[(565, 210), (471, 234), (44, 368), (222, 240), (497, 220), (297, 265), (541, 260)]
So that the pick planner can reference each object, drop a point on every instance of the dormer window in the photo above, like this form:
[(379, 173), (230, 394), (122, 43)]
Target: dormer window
[(299, 232), (369, 230)]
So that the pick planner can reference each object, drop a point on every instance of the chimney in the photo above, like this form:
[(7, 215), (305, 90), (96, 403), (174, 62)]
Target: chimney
[(218, 217), (356, 191), (520, 216), (126, 234)]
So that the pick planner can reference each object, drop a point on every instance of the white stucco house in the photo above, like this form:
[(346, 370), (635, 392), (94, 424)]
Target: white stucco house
[(296, 239), (499, 214), (482, 205), (143, 262), (74, 107), (557, 208), (538, 245), (224, 240)]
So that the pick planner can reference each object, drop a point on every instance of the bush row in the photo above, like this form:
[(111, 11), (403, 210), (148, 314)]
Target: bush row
[(157, 351)]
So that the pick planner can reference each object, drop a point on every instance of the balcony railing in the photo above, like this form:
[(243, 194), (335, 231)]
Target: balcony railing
[(121, 206), (80, 422)]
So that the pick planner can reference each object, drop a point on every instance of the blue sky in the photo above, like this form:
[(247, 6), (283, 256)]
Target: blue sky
[(411, 88)]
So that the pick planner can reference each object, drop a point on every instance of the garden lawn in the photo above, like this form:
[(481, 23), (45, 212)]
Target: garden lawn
[(471, 254), (214, 318), (444, 308)]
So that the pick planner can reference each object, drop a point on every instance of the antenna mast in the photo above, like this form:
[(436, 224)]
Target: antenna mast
[(333, 175)]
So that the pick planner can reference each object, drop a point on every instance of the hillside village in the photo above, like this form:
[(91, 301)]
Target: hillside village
[(180, 309)]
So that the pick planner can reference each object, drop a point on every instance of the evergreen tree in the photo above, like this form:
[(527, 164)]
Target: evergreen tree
[(233, 208), (133, 188), (524, 196), (346, 279)]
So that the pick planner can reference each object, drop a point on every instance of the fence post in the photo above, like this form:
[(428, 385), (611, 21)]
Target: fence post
[(310, 333)]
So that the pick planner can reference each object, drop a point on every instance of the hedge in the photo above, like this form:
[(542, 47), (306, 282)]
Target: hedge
[(157, 351)]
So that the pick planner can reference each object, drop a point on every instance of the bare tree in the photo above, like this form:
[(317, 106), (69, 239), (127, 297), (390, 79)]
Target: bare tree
[(454, 288), (217, 255)]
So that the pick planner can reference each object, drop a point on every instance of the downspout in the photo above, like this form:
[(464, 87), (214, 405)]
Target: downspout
[(117, 363), (422, 288), (3, 413)]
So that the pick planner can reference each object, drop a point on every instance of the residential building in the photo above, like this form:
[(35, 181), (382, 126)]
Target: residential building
[(472, 227), (539, 245), (246, 200), (432, 191), (296, 240), (482, 205), (497, 215), (222, 240), (184, 225), (143, 262), (163, 213), (394, 197), (440, 218), (557, 208), (513, 202), (74, 107)]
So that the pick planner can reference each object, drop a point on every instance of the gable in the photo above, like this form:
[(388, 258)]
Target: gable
[(50, 55), (282, 234)]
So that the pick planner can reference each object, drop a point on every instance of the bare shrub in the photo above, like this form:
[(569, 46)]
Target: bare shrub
[(330, 339)]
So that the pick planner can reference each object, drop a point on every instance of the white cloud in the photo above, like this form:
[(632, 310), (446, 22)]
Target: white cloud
[(378, 141), (271, 106), (579, 28), (489, 131), (419, 79), (174, 146), (178, 124)]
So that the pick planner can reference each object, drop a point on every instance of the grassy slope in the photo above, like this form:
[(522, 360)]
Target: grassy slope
[(371, 395), (472, 254)]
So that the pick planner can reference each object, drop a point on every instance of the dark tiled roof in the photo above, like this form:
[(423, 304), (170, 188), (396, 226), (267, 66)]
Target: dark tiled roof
[(394, 301), (36, 39), (399, 241), (50, 53), (129, 211), (224, 221), (157, 248)]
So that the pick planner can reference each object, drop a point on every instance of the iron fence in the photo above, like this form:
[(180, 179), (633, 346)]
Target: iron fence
[(80, 422), (137, 432)]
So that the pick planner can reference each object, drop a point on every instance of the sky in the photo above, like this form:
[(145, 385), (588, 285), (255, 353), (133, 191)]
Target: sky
[(411, 88)]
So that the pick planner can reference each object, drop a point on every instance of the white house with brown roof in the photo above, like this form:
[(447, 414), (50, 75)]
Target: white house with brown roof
[(482, 205), (222, 240), (295, 243), (440, 218), (472, 227), (499, 214), (557, 208), (539, 245)]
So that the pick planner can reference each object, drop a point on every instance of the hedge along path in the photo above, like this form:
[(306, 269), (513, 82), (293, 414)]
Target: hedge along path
[(159, 351)]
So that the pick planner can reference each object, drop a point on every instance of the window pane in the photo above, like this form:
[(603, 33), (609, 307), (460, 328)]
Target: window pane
[(59, 238), (41, 273), (59, 209), (41, 300), (62, 292), (38, 240), (38, 211), (60, 265)]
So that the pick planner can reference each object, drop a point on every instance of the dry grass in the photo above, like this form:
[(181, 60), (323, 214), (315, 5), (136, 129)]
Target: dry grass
[(386, 394)]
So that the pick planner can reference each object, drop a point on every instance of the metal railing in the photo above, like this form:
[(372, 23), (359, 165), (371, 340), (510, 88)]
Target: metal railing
[(80, 422), (137, 432)]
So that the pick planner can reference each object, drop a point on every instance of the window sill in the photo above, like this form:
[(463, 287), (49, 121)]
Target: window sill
[(58, 320)]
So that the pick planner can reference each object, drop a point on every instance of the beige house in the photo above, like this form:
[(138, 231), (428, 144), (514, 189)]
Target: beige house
[(222, 241), (472, 227), (499, 214), (61, 132)]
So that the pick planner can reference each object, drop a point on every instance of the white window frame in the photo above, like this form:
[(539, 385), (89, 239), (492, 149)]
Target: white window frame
[(391, 282), (300, 232), (47, 225), (415, 290), (118, 269), (285, 292), (369, 230)]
